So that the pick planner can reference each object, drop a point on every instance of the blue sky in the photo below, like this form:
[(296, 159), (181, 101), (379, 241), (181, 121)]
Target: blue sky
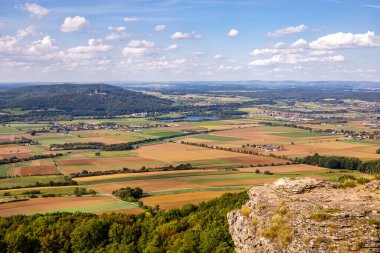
[(179, 40)]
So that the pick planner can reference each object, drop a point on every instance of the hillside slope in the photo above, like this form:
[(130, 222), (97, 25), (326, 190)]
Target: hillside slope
[(82, 99)]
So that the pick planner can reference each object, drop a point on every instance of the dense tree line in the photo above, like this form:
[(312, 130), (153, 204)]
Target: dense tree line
[(86, 173), (35, 157), (67, 181), (23, 140), (341, 162), (193, 228), (78, 145)]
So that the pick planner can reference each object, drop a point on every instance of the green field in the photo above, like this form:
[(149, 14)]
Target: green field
[(29, 181), (9, 130), (64, 190), (217, 137), (297, 134)]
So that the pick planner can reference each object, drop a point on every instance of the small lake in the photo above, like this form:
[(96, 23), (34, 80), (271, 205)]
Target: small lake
[(192, 118)]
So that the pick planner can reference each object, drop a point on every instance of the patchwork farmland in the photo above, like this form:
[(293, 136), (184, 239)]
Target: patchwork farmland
[(232, 156)]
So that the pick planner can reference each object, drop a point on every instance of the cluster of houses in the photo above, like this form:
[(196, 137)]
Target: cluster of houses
[(271, 148), (67, 128), (363, 135), (266, 147), (372, 125)]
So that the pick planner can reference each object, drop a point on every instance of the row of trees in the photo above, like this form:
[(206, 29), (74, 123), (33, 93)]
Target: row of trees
[(341, 162), (86, 173), (77, 145), (193, 228), (35, 157), (67, 181)]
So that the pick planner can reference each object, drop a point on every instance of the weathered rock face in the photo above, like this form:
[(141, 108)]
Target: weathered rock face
[(308, 215)]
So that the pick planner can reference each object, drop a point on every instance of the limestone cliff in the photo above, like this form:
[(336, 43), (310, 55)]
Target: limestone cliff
[(308, 215)]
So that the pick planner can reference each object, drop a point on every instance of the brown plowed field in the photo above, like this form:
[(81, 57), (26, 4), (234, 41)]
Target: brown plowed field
[(34, 170), (95, 161)]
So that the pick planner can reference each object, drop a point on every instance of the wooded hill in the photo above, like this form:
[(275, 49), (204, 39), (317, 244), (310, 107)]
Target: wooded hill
[(81, 100)]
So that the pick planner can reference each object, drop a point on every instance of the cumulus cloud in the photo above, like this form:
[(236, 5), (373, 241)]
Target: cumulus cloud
[(184, 35), (44, 45), (138, 48), (74, 24), (172, 47), (133, 51), (294, 59), (117, 28), (287, 31), (179, 61), (218, 56), (198, 53), (346, 40), (159, 28), (93, 47), (35, 10), (140, 43), (296, 53), (132, 19), (116, 36), (26, 32), (299, 43), (233, 33)]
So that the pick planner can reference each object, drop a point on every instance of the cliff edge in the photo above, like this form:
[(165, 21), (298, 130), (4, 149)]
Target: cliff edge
[(308, 215)]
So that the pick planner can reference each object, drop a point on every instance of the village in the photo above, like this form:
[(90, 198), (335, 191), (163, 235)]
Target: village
[(67, 128)]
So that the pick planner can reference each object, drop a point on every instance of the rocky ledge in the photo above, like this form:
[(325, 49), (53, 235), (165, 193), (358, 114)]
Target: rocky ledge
[(308, 215)]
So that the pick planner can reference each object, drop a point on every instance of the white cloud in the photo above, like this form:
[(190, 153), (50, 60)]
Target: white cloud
[(26, 32), (132, 19), (35, 10), (218, 56), (296, 53), (346, 40), (116, 36), (138, 48), (140, 43), (7, 43), (159, 28), (74, 24), (128, 51), (294, 59), (93, 47), (287, 31), (172, 47), (299, 43), (180, 61), (184, 35), (47, 43), (198, 53), (233, 33), (372, 6), (117, 28)]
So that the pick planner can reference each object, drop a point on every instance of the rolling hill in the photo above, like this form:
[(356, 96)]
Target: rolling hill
[(81, 100)]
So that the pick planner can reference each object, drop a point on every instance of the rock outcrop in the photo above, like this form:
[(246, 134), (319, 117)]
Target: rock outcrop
[(308, 215)]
